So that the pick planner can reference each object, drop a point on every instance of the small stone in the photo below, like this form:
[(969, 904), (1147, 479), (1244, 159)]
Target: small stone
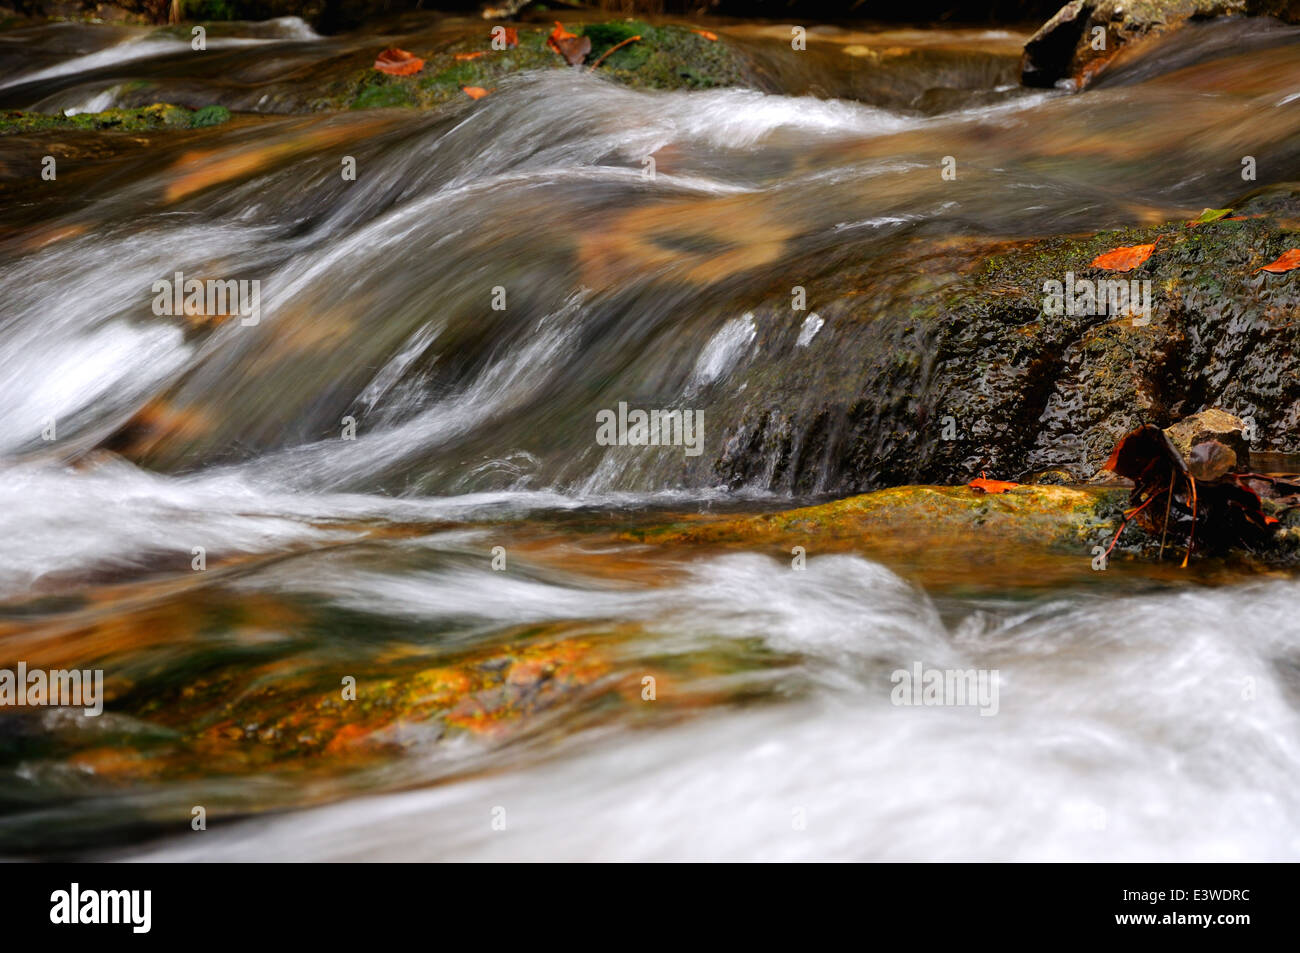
[(1212, 425)]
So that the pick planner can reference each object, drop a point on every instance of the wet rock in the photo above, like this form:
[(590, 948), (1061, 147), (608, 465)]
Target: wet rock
[(943, 368), (1085, 35), (934, 516)]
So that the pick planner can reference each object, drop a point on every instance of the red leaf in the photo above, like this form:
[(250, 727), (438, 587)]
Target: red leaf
[(1124, 258), (511, 37), (471, 56), (711, 37), (1287, 261), (475, 92), (397, 62), (981, 485)]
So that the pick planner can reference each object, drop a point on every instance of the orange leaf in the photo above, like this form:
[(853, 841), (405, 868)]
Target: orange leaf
[(474, 92), (981, 485), (471, 56), (1125, 258), (573, 48), (397, 62), (1287, 261), (711, 37)]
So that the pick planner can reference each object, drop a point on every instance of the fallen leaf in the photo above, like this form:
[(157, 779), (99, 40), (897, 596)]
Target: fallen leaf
[(511, 37), (1200, 498), (397, 62), (1286, 261), (1209, 215), (1210, 460), (981, 485), (474, 92), (560, 33), (711, 37), (570, 46), (1143, 451), (470, 56), (1125, 258)]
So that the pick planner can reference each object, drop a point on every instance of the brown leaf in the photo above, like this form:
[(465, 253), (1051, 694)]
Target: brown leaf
[(1286, 262), (570, 46), (1139, 451), (1200, 499), (1210, 460), (397, 62), (1125, 258)]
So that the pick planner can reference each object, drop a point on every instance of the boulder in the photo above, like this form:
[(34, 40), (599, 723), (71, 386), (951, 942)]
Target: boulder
[(960, 367), (1085, 35)]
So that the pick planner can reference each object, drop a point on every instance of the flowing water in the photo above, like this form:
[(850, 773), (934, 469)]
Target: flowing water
[(468, 552)]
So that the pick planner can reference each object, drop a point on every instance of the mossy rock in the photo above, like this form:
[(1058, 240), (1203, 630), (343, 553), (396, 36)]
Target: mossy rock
[(1040, 516), (209, 116), (665, 57), (142, 119)]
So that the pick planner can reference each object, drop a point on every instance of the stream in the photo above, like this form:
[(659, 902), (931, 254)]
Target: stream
[(392, 474)]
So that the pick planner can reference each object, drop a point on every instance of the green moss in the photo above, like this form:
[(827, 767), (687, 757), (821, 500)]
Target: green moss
[(209, 116), (383, 96), (461, 74), (673, 57), (213, 10), (606, 36), (141, 119)]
